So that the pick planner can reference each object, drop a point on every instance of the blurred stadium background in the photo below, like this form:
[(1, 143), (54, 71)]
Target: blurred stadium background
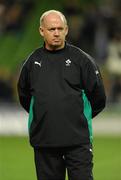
[(95, 27)]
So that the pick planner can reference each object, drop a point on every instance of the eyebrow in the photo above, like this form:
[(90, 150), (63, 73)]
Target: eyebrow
[(55, 28)]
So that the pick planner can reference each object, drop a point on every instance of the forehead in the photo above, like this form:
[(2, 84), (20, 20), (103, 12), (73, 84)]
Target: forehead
[(53, 19)]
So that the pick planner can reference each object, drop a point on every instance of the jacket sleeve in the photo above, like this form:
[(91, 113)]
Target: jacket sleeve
[(24, 88), (93, 86)]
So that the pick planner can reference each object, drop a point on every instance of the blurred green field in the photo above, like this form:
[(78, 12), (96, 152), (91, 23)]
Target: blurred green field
[(16, 159)]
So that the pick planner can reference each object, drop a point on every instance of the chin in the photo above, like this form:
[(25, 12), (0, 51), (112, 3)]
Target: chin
[(57, 44)]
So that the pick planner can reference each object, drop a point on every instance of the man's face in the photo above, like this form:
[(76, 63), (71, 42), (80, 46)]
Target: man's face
[(54, 31)]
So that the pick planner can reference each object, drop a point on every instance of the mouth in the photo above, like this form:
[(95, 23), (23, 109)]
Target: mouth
[(56, 40)]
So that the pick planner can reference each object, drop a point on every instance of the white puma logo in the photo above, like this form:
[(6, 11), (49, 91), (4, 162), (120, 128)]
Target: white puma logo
[(38, 63)]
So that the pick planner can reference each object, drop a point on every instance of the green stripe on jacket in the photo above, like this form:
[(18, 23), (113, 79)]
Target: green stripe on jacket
[(88, 113), (31, 112)]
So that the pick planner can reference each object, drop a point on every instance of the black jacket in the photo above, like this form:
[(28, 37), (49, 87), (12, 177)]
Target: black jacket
[(62, 91)]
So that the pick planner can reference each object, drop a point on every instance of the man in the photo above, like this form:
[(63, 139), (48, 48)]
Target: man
[(61, 88)]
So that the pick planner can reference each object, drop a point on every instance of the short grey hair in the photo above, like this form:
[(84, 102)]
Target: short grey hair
[(46, 13)]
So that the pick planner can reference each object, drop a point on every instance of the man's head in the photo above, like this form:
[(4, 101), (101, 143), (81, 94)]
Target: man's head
[(53, 28)]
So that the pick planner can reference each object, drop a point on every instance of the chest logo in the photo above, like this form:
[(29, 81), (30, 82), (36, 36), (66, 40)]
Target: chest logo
[(38, 63), (96, 72), (68, 62)]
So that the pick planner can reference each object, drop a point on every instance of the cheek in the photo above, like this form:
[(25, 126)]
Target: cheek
[(63, 35), (47, 36)]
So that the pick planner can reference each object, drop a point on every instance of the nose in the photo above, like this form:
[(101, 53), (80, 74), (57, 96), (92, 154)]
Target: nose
[(56, 33)]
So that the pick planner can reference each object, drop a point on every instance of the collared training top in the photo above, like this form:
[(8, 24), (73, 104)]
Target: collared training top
[(62, 90)]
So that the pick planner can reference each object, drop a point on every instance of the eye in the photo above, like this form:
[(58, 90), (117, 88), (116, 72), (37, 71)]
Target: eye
[(51, 29), (60, 29)]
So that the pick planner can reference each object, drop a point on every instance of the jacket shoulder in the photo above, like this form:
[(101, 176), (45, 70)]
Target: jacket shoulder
[(80, 55), (33, 55)]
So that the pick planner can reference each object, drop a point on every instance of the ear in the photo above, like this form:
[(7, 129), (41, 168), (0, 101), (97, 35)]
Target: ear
[(66, 30), (41, 31)]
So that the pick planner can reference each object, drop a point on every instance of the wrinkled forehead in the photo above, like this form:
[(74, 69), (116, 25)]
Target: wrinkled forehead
[(53, 19)]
